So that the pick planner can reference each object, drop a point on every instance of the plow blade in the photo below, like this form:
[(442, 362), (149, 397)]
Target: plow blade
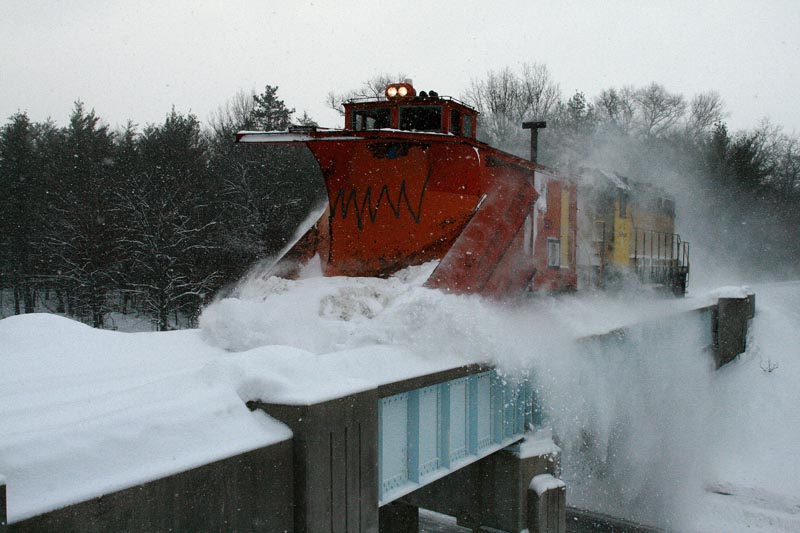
[(482, 259)]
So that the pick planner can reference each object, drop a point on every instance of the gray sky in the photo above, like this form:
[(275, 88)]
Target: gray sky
[(136, 59)]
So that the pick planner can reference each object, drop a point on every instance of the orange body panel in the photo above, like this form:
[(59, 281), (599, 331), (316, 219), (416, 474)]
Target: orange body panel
[(394, 202), (549, 227), (400, 198), (480, 257)]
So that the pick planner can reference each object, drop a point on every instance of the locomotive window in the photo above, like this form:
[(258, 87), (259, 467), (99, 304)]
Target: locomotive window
[(372, 119), (455, 122), (553, 253), (623, 205), (468, 126), (421, 118), (668, 206)]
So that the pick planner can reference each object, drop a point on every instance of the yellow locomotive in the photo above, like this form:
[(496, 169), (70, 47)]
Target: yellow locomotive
[(626, 229)]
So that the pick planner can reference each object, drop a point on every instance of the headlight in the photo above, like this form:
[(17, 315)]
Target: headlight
[(400, 90)]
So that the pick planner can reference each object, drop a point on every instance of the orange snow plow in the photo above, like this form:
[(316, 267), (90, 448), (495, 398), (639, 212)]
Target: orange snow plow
[(408, 183)]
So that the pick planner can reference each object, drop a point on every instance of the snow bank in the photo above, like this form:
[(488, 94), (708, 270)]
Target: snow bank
[(84, 412), (751, 477), (731, 291)]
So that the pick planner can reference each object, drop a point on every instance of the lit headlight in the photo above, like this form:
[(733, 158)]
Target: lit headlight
[(400, 90)]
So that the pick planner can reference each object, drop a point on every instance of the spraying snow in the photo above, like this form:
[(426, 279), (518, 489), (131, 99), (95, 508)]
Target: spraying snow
[(634, 416)]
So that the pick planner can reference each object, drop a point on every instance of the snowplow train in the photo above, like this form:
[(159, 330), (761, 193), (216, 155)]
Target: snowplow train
[(408, 182)]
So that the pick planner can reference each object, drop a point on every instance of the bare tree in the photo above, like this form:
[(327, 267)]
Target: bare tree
[(658, 109), (539, 94), (787, 163), (705, 110), (372, 88), (506, 99), (233, 115), (496, 97), (616, 108)]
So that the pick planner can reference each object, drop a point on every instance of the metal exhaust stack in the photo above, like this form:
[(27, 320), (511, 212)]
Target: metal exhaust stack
[(534, 127)]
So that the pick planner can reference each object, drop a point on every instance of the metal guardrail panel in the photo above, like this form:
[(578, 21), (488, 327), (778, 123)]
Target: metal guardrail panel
[(393, 442), (483, 419), (427, 432), (458, 419)]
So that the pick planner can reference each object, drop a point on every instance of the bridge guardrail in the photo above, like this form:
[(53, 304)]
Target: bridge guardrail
[(427, 432)]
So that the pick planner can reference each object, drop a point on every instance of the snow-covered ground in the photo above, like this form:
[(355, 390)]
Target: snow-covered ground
[(647, 427)]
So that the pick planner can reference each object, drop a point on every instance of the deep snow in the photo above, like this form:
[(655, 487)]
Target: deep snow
[(647, 428)]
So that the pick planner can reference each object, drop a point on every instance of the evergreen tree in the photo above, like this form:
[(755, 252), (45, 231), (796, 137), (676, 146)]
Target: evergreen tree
[(81, 229), (269, 112), (261, 193), (20, 208)]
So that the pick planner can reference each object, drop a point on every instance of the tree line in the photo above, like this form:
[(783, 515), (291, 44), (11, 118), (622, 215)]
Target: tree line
[(152, 221), (157, 220), (739, 191)]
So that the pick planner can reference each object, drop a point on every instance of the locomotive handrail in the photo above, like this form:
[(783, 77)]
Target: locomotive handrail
[(665, 263), (371, 99)]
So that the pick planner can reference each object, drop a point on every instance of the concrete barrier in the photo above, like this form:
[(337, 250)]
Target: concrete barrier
[(547, 505), (247, 492), (730, 319), (335, 462), (3, 515), (726, 326)]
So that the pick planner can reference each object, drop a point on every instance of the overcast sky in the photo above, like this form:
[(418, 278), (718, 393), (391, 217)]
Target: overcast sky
[(136, 59)]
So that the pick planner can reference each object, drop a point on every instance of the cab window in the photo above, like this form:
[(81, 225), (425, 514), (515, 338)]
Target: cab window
[(455, 122), (421, 118), (468, 126), (553, 253), (375, 118)]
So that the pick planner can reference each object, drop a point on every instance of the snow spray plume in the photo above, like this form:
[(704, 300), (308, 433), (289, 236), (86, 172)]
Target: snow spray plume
[(628, 414), (735, 236)]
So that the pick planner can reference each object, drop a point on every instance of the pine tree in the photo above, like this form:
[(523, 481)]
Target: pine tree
[(270, 113), (81, 227), (19, 210)]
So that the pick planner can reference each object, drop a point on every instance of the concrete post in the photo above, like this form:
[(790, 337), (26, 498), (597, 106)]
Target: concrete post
[(547, 505), (335, 462), (3, 514), (751, 305), (399, 517), (732, 315)]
